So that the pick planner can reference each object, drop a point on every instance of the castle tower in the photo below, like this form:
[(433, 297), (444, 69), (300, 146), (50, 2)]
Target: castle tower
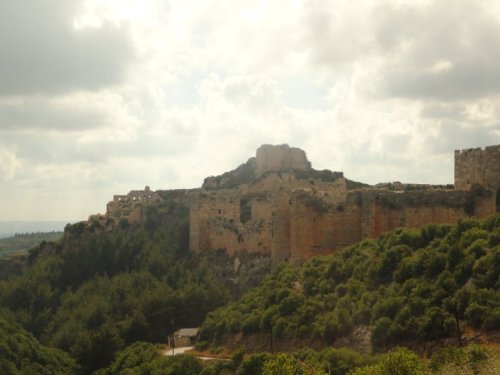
[(479, 167), (280, 157)]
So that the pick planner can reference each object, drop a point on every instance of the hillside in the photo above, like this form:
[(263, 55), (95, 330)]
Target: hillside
[(22, 242), (407, 287), (96, 291)]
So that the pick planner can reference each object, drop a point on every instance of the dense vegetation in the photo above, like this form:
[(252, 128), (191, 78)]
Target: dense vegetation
[(407, 286), (22, 242), (21, 353), (145, 358), (99, 300), (98, 291)]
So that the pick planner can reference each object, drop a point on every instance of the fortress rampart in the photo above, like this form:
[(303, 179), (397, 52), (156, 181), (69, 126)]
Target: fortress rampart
[(276, 204), (289, 213)]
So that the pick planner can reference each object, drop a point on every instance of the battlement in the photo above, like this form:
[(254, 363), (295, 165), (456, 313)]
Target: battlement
[(476, 150), (138, 195)]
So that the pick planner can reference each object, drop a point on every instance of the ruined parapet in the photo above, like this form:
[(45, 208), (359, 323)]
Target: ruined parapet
[(282, 157), (478, 166), (130, 206), (139, 195)]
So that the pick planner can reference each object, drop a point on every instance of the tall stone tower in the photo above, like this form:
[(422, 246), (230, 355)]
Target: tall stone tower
[(479, 167), (280, 157)]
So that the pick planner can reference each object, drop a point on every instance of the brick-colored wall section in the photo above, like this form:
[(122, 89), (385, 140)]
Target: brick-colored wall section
[(316, 230), (298, 223)]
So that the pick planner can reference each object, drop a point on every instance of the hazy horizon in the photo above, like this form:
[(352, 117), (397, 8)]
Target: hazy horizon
[(10, 228)]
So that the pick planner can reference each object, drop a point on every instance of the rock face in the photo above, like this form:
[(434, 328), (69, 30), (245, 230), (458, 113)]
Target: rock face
[(276, 205), (282, 157)]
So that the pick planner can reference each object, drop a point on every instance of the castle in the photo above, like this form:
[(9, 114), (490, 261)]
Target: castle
[(276, 204)]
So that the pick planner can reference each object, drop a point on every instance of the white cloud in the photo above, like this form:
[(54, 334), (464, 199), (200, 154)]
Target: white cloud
[(108, 96), (9, 164), (438, 51)]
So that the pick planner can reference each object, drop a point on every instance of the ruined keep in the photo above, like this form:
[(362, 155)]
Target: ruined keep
[(277, 205)]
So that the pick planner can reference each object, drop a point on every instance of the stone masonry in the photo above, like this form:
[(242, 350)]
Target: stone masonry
[(291, 215), (276, 158), (277, 205), (478, 166), (130, 206)]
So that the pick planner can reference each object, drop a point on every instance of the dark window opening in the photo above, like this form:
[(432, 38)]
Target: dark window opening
[(245, 210), (498, 200)]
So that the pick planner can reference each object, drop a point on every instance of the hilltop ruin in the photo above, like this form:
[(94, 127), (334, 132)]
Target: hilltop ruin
[(276, 204)]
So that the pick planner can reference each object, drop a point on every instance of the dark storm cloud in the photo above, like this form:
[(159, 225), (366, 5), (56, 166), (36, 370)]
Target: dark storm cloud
[(42, 53), (33, 114), (443, 50)]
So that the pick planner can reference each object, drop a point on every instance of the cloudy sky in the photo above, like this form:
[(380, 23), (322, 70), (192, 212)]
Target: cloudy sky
[(99, 97)]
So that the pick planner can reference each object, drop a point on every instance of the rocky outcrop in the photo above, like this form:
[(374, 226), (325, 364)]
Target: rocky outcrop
[(272, 158)]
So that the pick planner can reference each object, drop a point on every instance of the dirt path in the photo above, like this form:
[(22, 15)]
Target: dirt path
[(182, 350), (175, 351)]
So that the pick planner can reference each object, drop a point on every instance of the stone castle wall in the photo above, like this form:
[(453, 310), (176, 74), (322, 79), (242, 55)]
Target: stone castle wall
[(295, 223), (256, 217), (297, 218), (290, 215), (318, 229), (130, 206)]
